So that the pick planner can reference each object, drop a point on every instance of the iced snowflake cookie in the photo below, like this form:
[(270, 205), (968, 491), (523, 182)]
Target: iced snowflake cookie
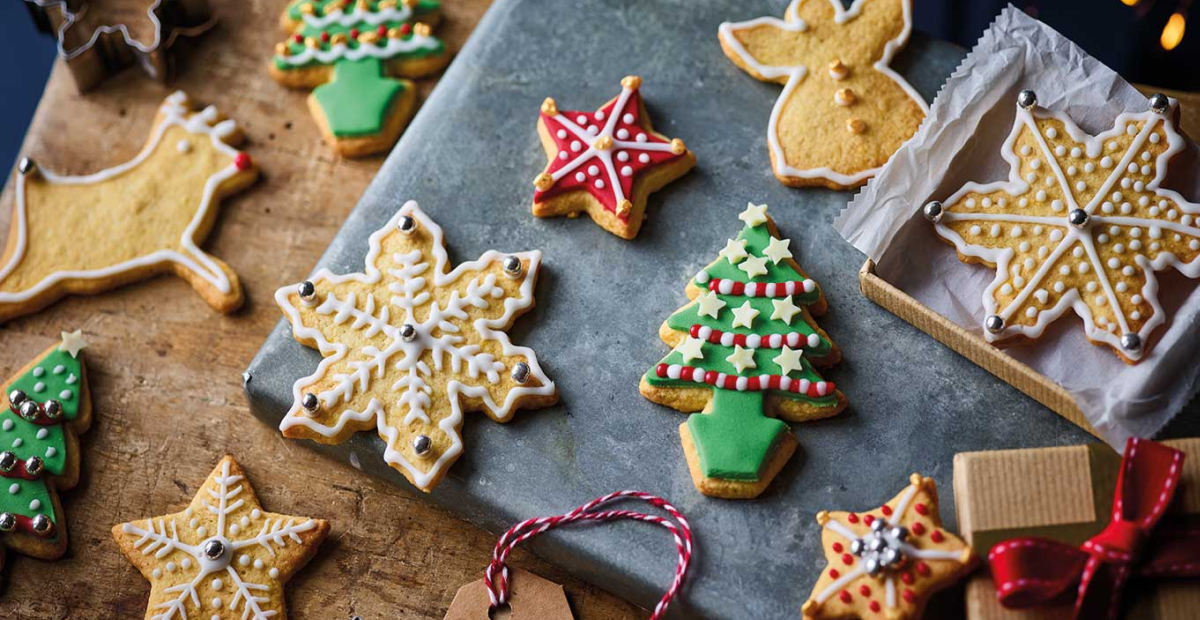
[(409, 345), (885, 563), (606, 162), (223, 557), (49, 407), (92, 233), (1081, 223), (354, 55), (843, 111), (745, 348)]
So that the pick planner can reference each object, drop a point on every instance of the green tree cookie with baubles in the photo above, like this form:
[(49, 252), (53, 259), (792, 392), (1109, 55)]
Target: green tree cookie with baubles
[(744, 353), (354, 54), (49, 406)]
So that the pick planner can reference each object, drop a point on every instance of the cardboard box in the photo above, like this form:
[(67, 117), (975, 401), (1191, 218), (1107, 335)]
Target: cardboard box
[(1065, 494)]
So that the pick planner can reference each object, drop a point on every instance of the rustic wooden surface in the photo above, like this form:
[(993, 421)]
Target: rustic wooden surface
[(166, 370)]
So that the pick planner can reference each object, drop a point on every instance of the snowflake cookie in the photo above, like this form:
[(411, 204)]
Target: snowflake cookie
[(222, 557), (1081, 223), (885, 563), (843, 111), (49, 407), (409, 345), (606, 162), (93, 233)]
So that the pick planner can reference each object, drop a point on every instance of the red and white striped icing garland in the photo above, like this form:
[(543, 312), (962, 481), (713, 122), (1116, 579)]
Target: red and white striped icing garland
[(794, 340), (761, 289), (812, 389)]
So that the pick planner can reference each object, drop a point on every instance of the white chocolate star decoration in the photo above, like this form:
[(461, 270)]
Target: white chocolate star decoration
[(1081, 223), (741, 358), (710, 304), (73, 342), (754, 266), (222, 557), (789, 359), (734, 251), (784, 310), (744, 315), (754, 215), (777, 249), (692, 349)]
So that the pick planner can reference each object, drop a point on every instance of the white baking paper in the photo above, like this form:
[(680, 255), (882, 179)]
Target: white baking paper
[(960, 141)]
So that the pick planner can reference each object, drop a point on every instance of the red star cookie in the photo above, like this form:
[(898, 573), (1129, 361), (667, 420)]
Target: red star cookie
[(606, 162), (885, 563)]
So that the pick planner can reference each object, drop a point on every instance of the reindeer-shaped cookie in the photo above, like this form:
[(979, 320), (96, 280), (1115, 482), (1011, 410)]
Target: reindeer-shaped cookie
[(91, 233), (843, 111)]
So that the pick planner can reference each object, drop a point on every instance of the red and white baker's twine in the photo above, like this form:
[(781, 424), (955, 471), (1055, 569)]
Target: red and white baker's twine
[(495, 578)]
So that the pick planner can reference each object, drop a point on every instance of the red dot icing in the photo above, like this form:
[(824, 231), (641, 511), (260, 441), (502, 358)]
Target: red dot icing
[(325, 36), (837, 547), (868, 519), (921, 509), (847, 559), (864, 590), (353, 33), (381, 30), (922, 569), (845, 596), (918, 528), (887, 510), (907, 578), (834, 574), (853, 518), (937, 536), (405, 28), (242, 161), (875, 606), (910, 596)]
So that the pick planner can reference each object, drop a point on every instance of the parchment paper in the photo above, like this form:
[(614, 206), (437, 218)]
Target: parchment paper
[(959, 142)]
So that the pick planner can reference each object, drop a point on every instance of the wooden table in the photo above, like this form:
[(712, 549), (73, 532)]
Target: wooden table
[(166, 369)]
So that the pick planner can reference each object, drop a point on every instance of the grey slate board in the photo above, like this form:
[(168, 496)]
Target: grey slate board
[(469, 158)]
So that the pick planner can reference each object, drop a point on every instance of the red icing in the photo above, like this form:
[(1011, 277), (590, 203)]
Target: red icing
[(325, 37), (921, 509), (353, 33), (868, 519), (837, 547), (907, 578), (405, 28), (922, 569), (381, 30), (875, 606), (845, 596), (864, 590), (833, 573), (242, 161), (566, 121), (753, 384), (918, 528), (910, 596), (298, 38), (847, 559), (887, 511), (937, 536), (853, 518)]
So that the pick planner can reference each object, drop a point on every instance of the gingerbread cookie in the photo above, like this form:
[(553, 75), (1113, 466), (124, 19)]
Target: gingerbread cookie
[(223, 557), (351, 54), (745, 348), (50, 405), (92, 233), (606, 162), (885, 563), (843, 111), (409, 345), (1081, 223)]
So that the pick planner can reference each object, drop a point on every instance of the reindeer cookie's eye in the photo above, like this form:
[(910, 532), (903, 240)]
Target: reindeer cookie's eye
[(184, 146)]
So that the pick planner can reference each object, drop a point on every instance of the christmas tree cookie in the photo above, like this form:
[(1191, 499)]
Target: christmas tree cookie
[(49, 406), (353, 55), (745, 348), (223, 557)]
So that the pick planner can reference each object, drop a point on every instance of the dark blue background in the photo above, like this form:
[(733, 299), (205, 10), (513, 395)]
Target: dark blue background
[(1125, 38)]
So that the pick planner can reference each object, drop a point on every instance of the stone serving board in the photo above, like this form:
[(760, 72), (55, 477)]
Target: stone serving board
[(469, 158)]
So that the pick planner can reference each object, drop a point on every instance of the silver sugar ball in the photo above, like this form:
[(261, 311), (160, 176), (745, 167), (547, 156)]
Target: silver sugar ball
[(26, 166), (29, 410), (513, 266), (406, 224), (53, 409), (1159, 103), (214, 549), (871, 565), (933, 211), (408, 332), (1027, 99), (876, 544), (310, 402), (422, 444), (1131, 342), (34, 465), (41, 525), (1078, 218), (16, 397), (8, 522), (899, 533), (994, 324), (8, 461), (520, 372), (857, 547), (307, 290), (890, 556), (877, 525)]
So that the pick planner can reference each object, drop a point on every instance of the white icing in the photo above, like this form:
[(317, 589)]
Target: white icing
[(795, 74), (342, 51)]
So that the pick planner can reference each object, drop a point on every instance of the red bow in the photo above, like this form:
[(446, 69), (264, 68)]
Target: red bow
[(1035, 571)]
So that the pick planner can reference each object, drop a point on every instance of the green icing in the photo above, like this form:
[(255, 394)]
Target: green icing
[(26, 439), (27, 498), (42, 383), (423, 8), (357, 99), (734, 440)]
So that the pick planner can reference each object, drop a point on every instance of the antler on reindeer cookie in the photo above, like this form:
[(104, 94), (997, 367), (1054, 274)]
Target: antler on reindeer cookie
[(843, 111)]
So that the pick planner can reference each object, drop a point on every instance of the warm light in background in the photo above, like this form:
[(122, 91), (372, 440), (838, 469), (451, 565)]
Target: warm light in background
[(1172, 33), (1129, 2)]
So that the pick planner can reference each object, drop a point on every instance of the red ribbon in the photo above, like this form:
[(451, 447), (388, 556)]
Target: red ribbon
[(1036, 571)]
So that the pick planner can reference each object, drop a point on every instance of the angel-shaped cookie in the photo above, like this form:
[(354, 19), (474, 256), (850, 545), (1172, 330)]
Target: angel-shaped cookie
[(843, 111)]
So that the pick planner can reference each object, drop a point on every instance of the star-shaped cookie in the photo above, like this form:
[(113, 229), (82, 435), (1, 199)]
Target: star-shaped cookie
[(884, 563), (843, 111), (1081, 223), (606, 162), (223, 557)]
